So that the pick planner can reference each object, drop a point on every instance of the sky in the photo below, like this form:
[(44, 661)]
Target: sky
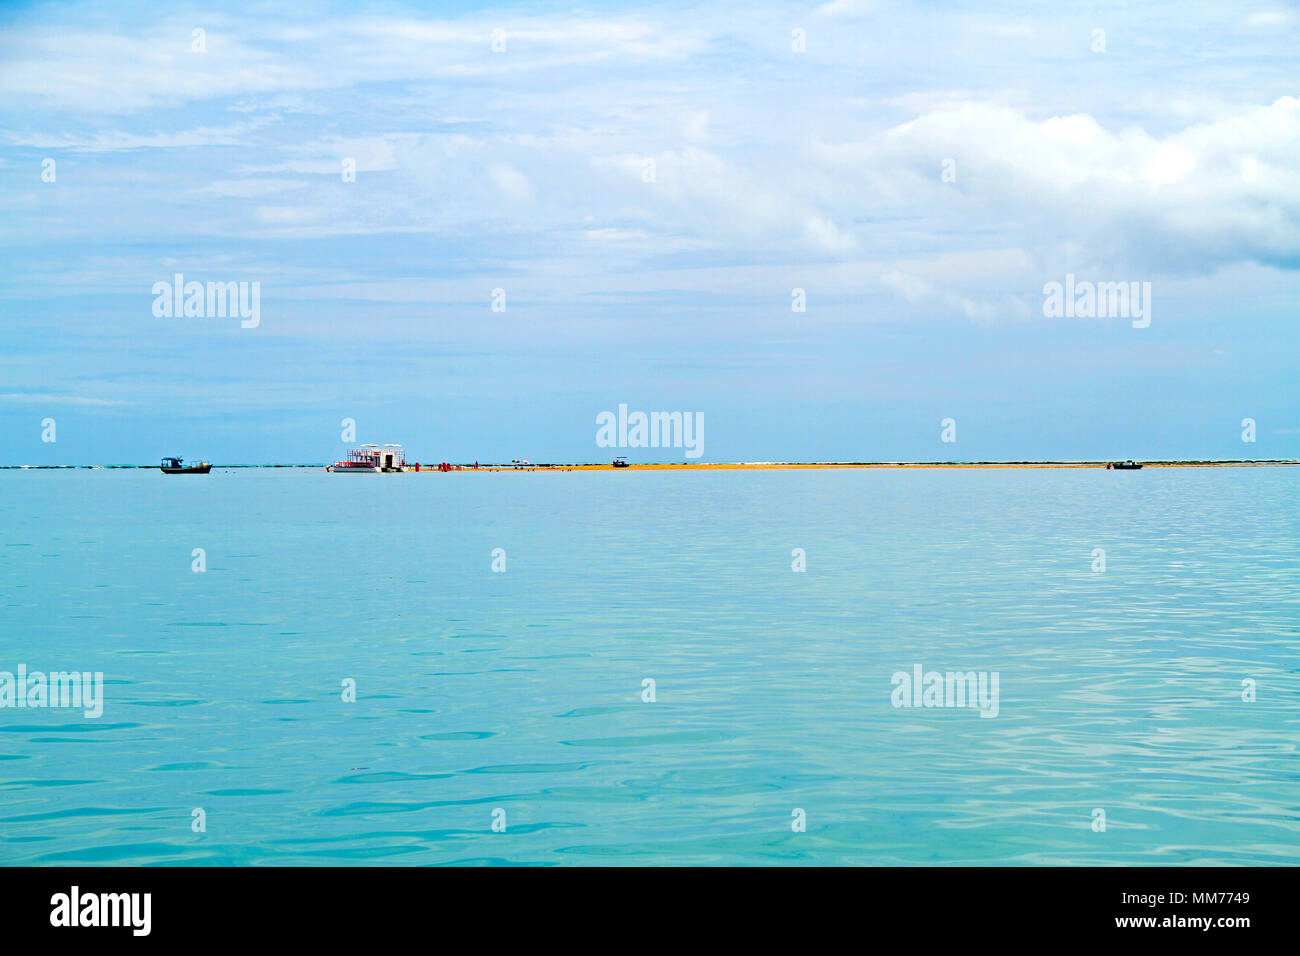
[(557, 210)]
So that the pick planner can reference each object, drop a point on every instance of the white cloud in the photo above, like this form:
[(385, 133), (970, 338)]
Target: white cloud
[(613, 235), (1180, 199), (827, 235), (252, 188), (512, 183), (695, 125), (126, 72), (849, 8), (1270, 18), (234, 134), (47, 398)]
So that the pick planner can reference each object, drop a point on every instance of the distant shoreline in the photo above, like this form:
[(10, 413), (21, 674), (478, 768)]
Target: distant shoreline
[(735, 466)]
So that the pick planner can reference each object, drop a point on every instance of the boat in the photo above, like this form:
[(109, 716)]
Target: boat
[(371, 460), (620, 463), (177, 466), (1129, 465)]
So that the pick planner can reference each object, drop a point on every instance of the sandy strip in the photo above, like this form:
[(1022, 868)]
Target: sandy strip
[(773, 465)]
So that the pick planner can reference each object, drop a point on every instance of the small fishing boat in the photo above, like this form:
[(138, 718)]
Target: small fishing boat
[(1129, 465), (177, 466), (620, 463)]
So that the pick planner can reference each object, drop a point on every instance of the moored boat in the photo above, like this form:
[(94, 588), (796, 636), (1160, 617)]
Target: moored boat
[(177, 466), (371, 460), (1129, 465)]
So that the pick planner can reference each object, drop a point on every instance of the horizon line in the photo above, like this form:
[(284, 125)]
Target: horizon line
[(513, 466)]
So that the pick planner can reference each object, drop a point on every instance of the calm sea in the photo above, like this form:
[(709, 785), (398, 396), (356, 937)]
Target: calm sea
[(516, 697)]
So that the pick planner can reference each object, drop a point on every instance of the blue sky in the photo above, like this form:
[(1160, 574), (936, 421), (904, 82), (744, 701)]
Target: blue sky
[(1169, 157)]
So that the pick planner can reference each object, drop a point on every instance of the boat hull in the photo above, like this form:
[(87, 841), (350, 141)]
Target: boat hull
[(195, 470)]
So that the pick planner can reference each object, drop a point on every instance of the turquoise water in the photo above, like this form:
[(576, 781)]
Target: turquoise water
[(522, 690)]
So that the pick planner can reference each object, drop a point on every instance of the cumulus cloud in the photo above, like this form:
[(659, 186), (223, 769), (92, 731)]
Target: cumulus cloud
[(1194, 199)]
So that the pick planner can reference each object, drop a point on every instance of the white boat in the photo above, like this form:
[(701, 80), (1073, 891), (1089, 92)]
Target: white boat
[(371, 460)]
